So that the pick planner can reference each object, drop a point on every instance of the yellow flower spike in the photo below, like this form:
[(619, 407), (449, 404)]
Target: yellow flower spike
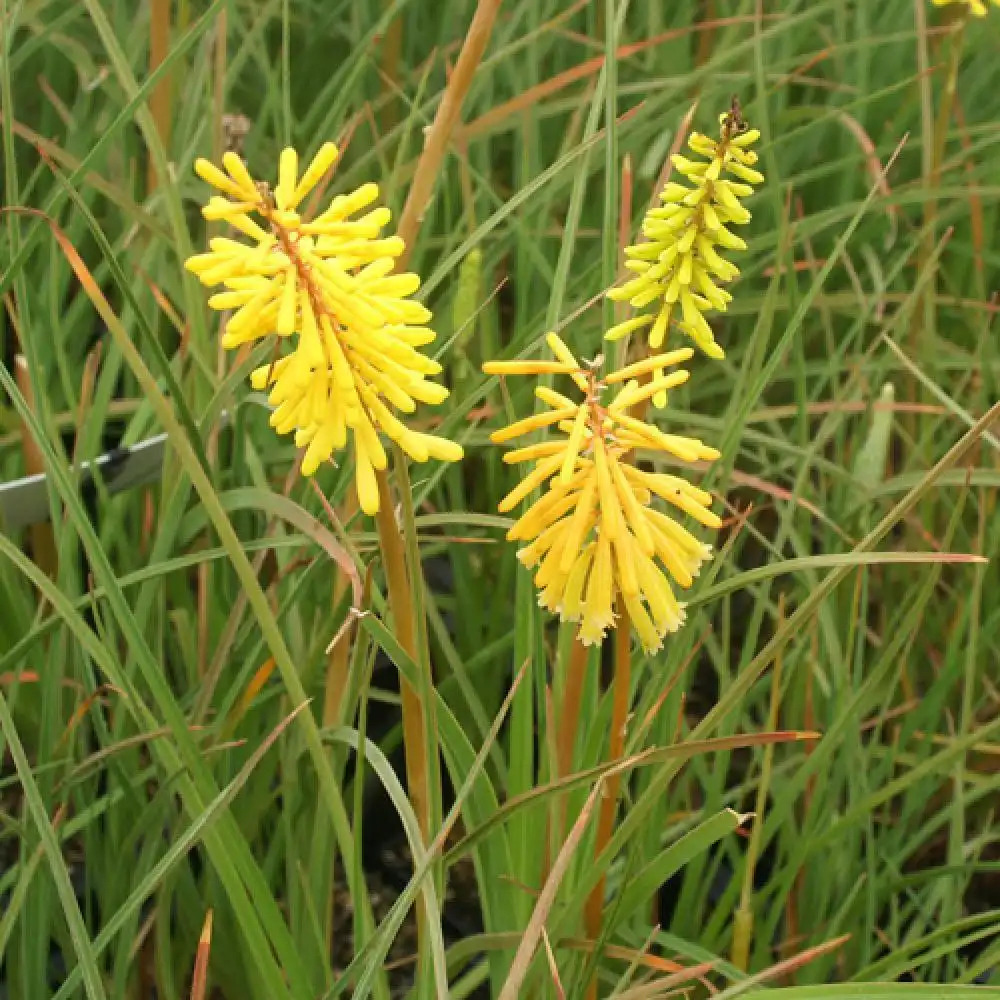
[(318, 449), (532, 554), (558, 347), (648, 436), (592, 536), (549, 574), (218, 209), (675, 560), (664, 485), (246, 325), (428, 392), (679, 265), (679, 537), (328, 285), (659, 384), (659, 331), (365, 435), (633, 509), (441, 448), (663, 606), (410, 441), (387, 381), (978, 6), (347, 204), (677, 492)]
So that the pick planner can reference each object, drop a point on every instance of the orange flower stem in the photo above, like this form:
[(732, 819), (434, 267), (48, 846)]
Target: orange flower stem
[(621, 697), (569, 717), (569, 722)]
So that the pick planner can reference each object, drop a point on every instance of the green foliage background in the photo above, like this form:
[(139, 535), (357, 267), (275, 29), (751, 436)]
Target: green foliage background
[(138, 791)]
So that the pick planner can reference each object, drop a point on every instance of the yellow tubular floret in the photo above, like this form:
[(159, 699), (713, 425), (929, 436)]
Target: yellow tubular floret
[(573, 445), (646, 365), (611, 516), (528, 424), (318, 166), (288, 167), (533, 451), (565, 355), (211, 174), (443, 449), (597, 613), (554, 399), (544, 470), (580, 524), (527, 368), (575, 582), (625, 557), (543, 512)]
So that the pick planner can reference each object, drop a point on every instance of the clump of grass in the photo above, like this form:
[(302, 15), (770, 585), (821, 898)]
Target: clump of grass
[(190, 768)]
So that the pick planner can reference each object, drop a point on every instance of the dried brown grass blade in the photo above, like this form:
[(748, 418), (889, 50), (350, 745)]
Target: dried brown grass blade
[(536, 925), (428, 167), (199, 978)]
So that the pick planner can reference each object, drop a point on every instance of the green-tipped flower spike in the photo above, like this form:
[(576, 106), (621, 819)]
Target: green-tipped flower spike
[(977, 7), (679, 270)]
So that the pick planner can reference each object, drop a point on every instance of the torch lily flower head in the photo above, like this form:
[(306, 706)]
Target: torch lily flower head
[(593, 535), (327, 285), (679, 271)]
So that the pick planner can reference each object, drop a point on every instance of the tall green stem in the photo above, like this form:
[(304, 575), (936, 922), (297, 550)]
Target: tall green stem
[(621, 697)]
